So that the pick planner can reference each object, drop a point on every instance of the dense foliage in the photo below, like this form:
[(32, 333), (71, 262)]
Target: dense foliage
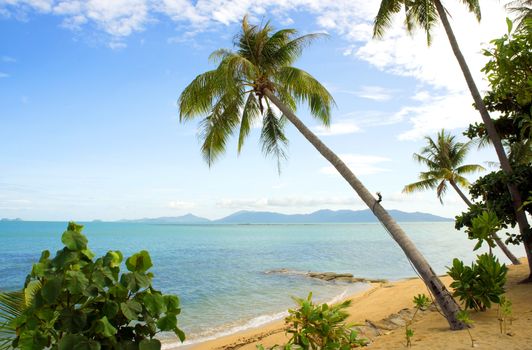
[(77, 302), (510, 96), (478, 285), (491, 191), (319, 327)]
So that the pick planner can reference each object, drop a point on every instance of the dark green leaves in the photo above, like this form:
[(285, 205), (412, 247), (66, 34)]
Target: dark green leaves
[(51, 289), (152, 344), (131, 309), (73, 302)]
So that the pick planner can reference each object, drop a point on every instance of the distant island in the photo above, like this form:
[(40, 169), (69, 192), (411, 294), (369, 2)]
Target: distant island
[(6, 219), (317, 217)]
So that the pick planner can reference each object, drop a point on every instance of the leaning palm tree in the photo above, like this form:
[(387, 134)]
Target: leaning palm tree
[(258, 82), (425, 14), (444, 158)]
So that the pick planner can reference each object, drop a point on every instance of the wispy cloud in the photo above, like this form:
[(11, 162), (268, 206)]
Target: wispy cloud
[(339, 128), (8, 59), (4, 75), (360, 164), (375, 93)]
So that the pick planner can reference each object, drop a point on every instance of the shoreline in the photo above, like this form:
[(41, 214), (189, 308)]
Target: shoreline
[(273, 321), (383, 301)]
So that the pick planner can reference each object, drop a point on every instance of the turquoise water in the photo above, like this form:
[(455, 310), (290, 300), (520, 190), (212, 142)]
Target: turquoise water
[(218, 271)]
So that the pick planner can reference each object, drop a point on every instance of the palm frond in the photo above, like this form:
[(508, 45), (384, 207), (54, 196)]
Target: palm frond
[(440, 190), (474, 7), (306, 88), (12, 304), (423, 185), (272, 137), (218, 126), (250, 113), (198, 97), (383, 20), (469, 169)]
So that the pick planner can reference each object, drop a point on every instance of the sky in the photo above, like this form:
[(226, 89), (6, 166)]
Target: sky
[(89, 125)]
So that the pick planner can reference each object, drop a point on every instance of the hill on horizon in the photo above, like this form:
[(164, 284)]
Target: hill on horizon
[(320, 216)]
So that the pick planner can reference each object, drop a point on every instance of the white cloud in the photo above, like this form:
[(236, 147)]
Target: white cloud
[(359, 164), (4, 75), (376, 93), (450, 112), (181, 205), (340, 128), (117, 45)]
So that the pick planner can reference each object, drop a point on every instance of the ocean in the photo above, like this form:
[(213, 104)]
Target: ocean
[(220, 272)]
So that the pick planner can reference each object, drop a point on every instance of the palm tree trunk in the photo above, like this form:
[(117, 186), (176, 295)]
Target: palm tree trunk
[(517, 202), (444, 299), (496, 238)]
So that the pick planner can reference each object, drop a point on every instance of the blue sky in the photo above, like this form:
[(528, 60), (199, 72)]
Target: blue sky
[(88, 115)]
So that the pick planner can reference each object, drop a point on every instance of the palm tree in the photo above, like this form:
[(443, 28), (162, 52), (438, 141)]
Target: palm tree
[(523, 10), (12, 305), (444, 159), (425, 14), (245, 87)]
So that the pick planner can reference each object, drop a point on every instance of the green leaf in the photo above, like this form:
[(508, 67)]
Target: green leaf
[(151, 344), (131, 309), (113, 258), (167, 323), (74, 240), (509, 25), (140, 262), (76, 282), (51, 289), (72, 226), (180, 334), (72, 321), (155, 304), (110, 309), (172, 303), (104, 328), (32, 340), (69, 341)]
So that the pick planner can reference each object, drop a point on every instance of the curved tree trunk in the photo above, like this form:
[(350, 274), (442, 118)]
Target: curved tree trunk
[(517, 202), (444, 299), (496, 238)]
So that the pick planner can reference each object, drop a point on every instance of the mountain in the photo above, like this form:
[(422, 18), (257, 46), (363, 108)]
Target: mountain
[(185, 219), (322, 216), (317, 217)]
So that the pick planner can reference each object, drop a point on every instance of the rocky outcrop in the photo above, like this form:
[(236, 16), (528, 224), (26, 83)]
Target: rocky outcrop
[(326, 276)]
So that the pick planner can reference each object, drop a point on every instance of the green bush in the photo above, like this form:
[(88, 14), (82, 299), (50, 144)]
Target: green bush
[(75, 302), (479, 285), (315, 326)]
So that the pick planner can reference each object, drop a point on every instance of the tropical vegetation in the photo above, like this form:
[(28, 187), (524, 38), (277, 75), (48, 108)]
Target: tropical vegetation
[(426, 14), (246, 86), (320, 326), (444, 157), (510, 95), (73, 301), (481, 284)]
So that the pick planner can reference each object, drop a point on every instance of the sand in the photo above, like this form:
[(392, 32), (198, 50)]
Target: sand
[(431, 330)]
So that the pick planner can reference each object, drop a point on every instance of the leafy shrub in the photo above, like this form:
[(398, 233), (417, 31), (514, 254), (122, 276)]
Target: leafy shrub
[(80, 303), (481, 284), (321, 326)]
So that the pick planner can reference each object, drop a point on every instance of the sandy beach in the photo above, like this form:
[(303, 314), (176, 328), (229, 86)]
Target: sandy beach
[(384, 301)]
